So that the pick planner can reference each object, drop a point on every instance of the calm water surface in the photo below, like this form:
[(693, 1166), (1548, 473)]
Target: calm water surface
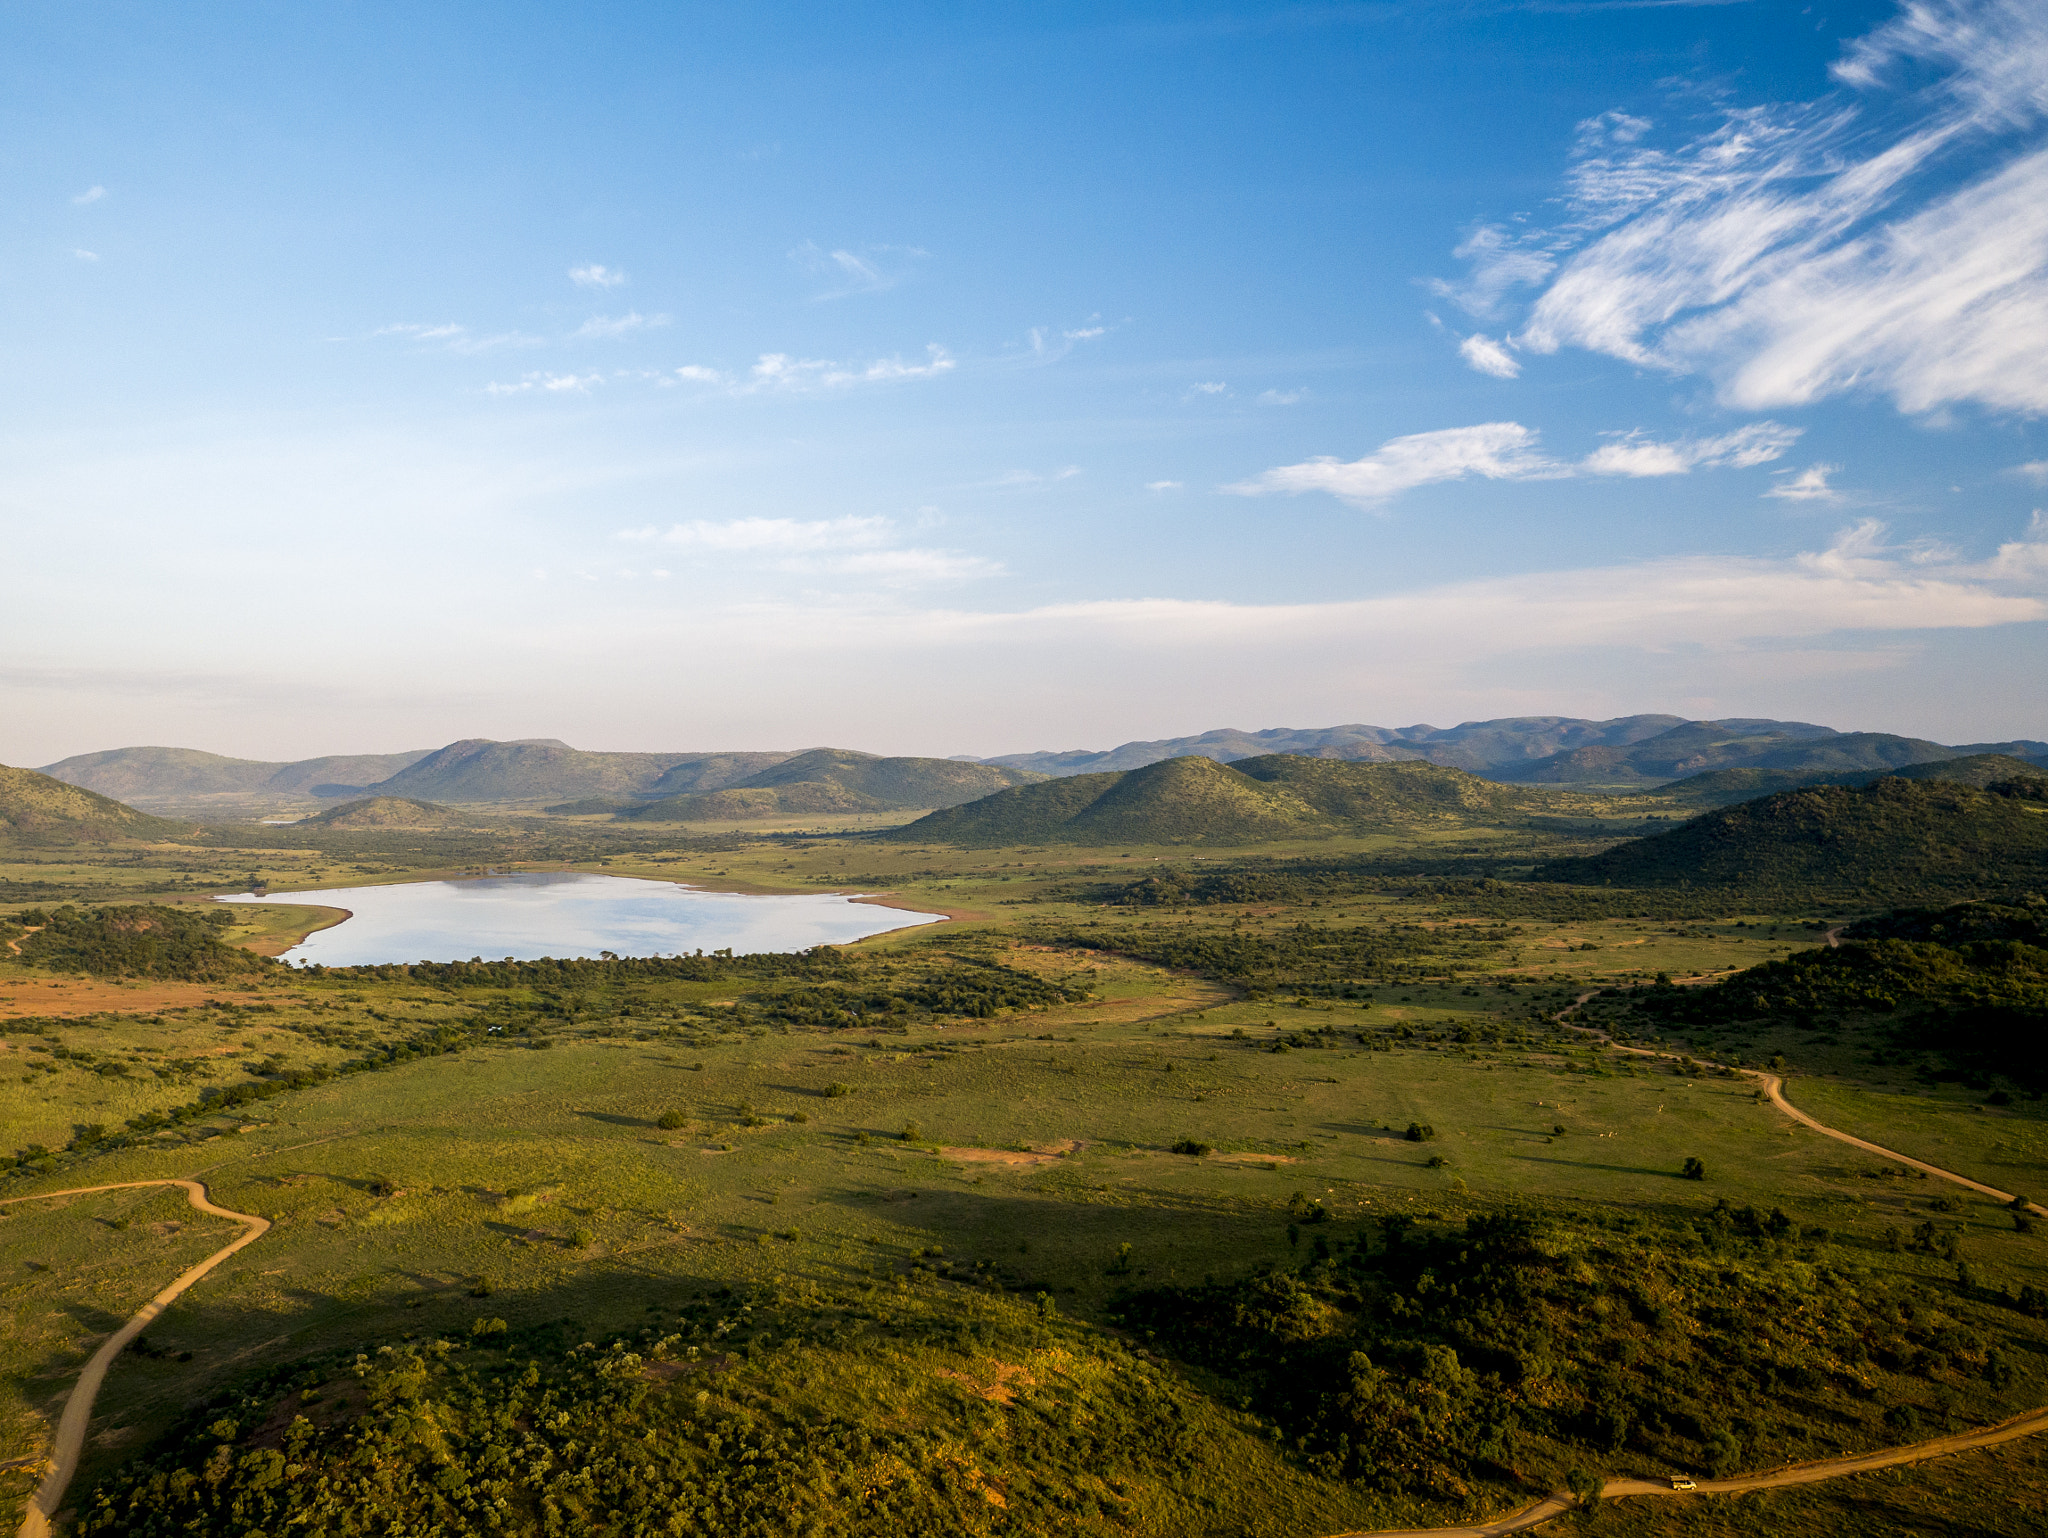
[(572, 914)]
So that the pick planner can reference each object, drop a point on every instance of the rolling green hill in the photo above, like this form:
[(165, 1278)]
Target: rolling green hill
[(1892, 840), (385, 812), (824, 781), (479, 770), (1699, 746), (1725, 787), (34, 808), (1194, 799)]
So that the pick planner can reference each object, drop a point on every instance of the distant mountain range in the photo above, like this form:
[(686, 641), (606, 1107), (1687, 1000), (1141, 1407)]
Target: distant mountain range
[(1553, 750), (34, 808), (1636, 752)]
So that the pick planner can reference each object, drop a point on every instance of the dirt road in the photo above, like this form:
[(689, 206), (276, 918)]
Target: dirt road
[(2029, 1424), (71, 1426)]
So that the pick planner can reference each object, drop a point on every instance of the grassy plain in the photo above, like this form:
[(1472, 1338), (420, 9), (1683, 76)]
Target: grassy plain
[(531, 1179)]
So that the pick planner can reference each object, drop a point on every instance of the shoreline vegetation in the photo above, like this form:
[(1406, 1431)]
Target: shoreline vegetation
[(1271, 1184)]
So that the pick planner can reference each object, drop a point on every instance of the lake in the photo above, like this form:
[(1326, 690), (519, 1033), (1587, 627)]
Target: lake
[(572, 913)]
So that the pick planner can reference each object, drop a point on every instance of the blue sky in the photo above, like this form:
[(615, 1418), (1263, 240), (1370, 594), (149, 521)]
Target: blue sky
[(967, 379)]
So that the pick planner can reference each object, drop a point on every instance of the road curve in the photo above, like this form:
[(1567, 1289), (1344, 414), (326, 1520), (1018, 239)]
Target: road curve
[(71, 1425)]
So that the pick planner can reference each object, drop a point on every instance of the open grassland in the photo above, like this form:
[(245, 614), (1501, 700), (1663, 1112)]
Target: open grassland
[(935, 1224)]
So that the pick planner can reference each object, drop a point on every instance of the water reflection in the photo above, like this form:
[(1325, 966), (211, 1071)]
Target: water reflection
[(572, 914)]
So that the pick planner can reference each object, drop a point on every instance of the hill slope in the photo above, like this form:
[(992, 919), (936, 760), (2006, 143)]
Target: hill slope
[(34, 808), (385, 812), (1894, 839), (476, 769), (1195, 799), (165, 774), (827, 780), (1724, 787)]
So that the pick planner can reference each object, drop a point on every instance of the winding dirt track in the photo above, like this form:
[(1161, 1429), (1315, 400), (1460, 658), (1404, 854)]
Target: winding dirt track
[(70, 1440), (2031, 1423)]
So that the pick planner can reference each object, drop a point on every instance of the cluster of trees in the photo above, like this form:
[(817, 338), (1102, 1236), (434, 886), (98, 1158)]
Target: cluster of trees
[(742, 1418), (134, 940), (1422, 1357), (1967, 984), (1316, 959)]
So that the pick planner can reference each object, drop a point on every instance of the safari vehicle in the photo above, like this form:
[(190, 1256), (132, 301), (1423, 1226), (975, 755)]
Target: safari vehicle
[(1683, 1482)]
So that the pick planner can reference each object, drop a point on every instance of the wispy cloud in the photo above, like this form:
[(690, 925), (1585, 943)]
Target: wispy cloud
[(868, 270), (1012, 480), (547, 383), (780, 373), (1634, 454), (596, 275), (455, 337), (90, 195), (1891, 237), (1208, 387), (1808, 485), (1508, 451), (2035, 470), (1282, 397), (1489, 357), (780, 535), (83, 255), (849, 546), (1049, 344), (1163, 485), (603, 326)]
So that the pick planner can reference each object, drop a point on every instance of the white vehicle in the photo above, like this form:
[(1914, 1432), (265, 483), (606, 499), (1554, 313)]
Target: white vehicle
[(1683, 1482)]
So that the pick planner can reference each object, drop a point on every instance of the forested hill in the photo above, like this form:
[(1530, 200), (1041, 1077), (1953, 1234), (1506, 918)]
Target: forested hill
[(830, 780), (386, 812), (1892, 840), (37, 809), (1725, 787), (1197, 800)]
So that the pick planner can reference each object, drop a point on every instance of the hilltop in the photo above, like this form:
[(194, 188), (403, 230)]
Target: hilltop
[(385, 812), (830, 780), (1196, 799), (1893, 836), (1810, 754), (34, 808), (1724, 787)]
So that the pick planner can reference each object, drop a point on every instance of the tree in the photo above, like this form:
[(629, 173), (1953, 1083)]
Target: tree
[(1693, 1169), (669, 1120)]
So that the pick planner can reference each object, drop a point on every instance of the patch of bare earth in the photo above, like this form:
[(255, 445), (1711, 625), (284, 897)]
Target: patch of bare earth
[(1015, 1157)]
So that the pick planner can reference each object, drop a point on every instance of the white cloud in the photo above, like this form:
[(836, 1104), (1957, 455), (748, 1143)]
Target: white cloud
[(1049, 344), (1489, 357), (1891, 237), (1633, 454), (916, 566), (1500, 259), (1282, 397), (91, 195), (1494, 450), (853, 546), (84, 255), (1013, 479), (595, 275), (870, 270), (1507, 451), (457, 338), (778, 371), (546, 382), (1208, 387), (1163, 485), (2035, 470), (778, 535), (1084, 333), (610, 326), (1809, 485)]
